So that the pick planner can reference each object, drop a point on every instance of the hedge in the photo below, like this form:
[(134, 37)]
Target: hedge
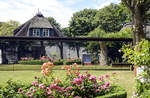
[(117, 92), (32, 62), (58, 62)]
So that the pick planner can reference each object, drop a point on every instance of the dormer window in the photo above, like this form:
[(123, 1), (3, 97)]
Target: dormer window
[(45, 32), (36, 32)]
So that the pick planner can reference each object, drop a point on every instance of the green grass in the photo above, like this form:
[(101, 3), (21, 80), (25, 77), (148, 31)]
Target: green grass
[(126, 78), (38, 67)]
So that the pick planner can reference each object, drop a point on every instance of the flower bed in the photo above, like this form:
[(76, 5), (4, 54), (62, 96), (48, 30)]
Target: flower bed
[(70, 61), (75, 85)]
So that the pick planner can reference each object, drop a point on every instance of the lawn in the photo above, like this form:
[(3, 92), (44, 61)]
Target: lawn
[(125, 78)]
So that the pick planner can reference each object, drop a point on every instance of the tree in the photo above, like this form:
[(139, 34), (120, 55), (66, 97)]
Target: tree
[(139, 11), (111, 18), (103, 48), (125, 33), (7, 28), (81, 22), (54, 22)]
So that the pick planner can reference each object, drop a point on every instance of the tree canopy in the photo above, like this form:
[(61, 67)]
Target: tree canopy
[(81, 22), (7, 28), (54, 22)]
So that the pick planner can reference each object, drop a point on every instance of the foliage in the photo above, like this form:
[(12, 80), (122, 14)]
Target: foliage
[(54, 22), (7, 28), (109, 19), (74, 85), (81, 22), (138, 55), (141, 87), (140, 15), (31, 62), (11, 89), (58, 62), (118, 92)]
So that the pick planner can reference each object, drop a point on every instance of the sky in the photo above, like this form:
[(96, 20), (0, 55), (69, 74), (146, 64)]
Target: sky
[(61, 10)]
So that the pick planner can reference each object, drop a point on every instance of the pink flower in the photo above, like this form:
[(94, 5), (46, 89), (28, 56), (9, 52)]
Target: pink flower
[(42, 86), (107, 76), (34, 91), (82, 76), (68, 88), (35, 83), (113, 73), (77, 81), (106, 86), (101, 78), (97, 90), (20, 90), (31, 88), (92, 78), (49, 92), (88, 75), (85, 71), (53, 86), (76, 97), (31, 96)]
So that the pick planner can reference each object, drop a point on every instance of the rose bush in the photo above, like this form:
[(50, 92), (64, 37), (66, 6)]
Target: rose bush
[(75, 85)]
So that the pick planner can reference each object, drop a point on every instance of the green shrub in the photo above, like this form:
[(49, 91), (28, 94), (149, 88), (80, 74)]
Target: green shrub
[(95, 61), (11, 89), (58, 62), (116, 92), (32, 62), (145, 94)]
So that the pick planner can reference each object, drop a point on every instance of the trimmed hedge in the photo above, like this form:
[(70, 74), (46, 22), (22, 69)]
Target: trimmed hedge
[(31, 62), (117, 92), (58, 62)]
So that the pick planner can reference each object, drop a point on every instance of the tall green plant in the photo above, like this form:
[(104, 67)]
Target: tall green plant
[(138, 55)]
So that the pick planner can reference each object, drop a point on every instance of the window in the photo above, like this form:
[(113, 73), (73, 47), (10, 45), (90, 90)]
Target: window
[(36, 32), (45, 32)]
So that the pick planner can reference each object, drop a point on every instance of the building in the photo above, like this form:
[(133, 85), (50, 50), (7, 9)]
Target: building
[(38, 26)]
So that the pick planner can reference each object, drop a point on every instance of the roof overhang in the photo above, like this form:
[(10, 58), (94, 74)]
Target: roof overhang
[(12, 38)]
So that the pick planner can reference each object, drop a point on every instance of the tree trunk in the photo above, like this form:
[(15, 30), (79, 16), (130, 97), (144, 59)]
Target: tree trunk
[(78, 48), (138, 25), (103, 53)]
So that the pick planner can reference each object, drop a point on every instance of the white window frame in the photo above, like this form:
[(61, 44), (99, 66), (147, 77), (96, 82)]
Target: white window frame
[(36, 32), (45, 32)]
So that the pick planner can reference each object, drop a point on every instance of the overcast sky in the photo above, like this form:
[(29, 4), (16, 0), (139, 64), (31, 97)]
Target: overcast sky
[(61, 10)]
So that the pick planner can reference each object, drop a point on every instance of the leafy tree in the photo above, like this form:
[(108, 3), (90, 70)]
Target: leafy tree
[(7, 28), (139, 11), (111, 18), (54, 22), (81, 22), (125, 33), (103, 48)]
